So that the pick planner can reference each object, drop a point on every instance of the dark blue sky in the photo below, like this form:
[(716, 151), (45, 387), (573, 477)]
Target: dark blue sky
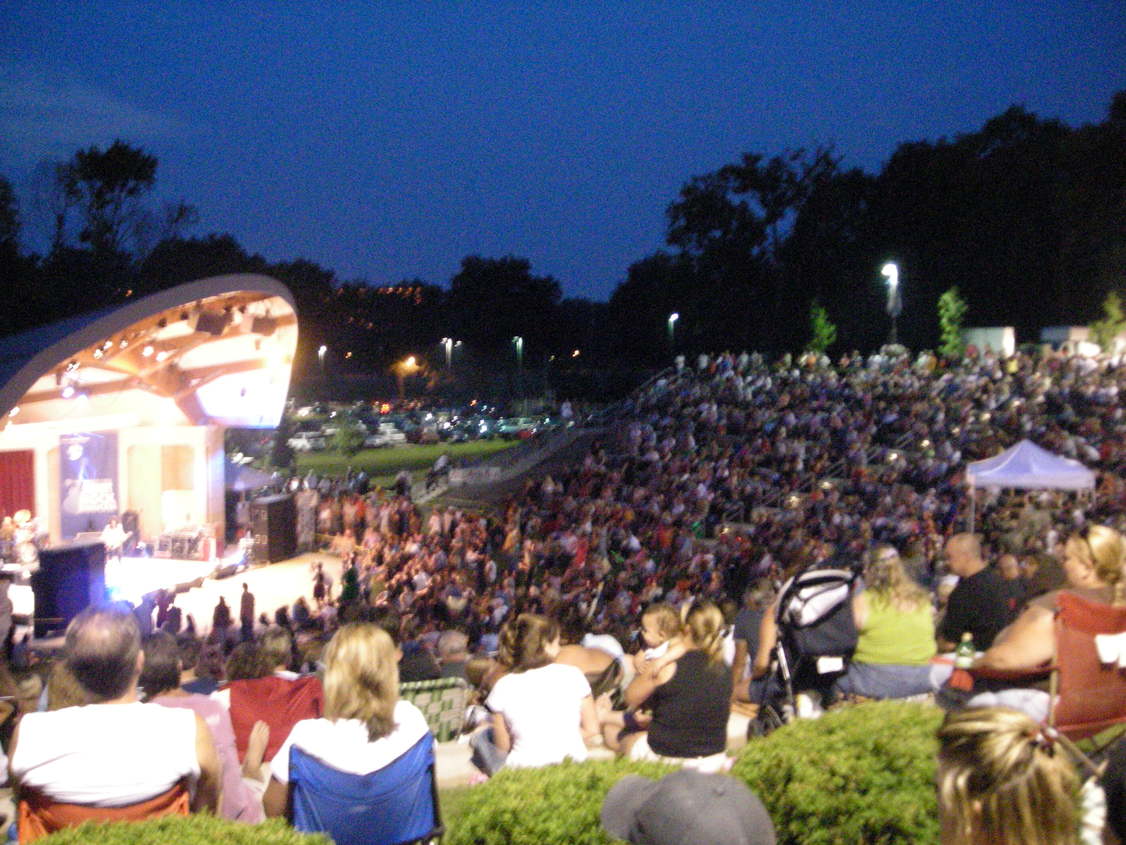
[(387, 140)]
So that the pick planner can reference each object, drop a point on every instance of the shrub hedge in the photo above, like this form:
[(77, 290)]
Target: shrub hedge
[(860, 774), (185, 830), (556, 805)]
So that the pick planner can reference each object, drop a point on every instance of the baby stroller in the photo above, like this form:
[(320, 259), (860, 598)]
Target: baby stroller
[(816, 638)]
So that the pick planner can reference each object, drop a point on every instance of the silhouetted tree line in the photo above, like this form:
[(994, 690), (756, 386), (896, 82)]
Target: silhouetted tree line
[(1025, 215)]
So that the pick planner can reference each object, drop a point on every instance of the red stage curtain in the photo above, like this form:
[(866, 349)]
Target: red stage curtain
[(17, 482)]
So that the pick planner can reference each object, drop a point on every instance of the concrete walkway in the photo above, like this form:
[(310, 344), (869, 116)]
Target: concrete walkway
[(454, 769)]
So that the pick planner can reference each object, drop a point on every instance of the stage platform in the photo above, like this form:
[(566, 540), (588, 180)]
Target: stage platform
[(196, 587), (130, 578)]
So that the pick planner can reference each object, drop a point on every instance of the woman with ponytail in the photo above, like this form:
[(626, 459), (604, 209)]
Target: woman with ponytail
[(543, 711), (1004, 780), (1095, 565), (689, 693)]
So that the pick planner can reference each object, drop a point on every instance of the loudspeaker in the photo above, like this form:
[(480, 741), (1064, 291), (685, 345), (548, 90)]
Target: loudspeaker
[(273, 522), (263, 325), (71, 576), (211, 322)]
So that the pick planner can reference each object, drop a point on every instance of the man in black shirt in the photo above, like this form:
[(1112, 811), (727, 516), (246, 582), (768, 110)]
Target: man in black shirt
[(980, 602)]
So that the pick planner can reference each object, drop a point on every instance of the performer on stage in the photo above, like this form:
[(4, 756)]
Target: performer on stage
[(114, 537)]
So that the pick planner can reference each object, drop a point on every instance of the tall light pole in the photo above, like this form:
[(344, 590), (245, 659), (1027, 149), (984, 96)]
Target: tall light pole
[(890, 271), (518, 343), (448, 345), (673, 317), (321, 357), (407, 367)]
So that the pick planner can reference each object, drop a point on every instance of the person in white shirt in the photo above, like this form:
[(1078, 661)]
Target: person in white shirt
[(366, 726), (114, 751), (543, 712)]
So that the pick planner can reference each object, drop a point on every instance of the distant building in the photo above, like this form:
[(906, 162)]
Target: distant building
[(1001, 340)]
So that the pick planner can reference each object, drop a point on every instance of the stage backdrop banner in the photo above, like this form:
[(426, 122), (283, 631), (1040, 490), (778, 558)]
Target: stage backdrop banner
[(88, 487)]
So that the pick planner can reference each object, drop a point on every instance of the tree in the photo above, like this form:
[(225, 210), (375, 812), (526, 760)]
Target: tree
[(107, 187), (823, 332), (1105, 331), (9, 216), (491, 300), (174, 261), (731, 225), (349, 437), (951, 313)]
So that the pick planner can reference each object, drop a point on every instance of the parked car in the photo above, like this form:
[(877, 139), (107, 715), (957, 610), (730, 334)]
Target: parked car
[(305, 441), (511, 428), (392, 433)]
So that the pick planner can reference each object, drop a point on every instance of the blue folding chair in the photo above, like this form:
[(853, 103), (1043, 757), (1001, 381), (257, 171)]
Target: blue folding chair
[(395, 805)]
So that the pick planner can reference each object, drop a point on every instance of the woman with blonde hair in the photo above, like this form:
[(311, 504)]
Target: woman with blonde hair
[(895, 622), (1002, 780), (366, 726), (1095, 566), (689, 693), (542, 711)]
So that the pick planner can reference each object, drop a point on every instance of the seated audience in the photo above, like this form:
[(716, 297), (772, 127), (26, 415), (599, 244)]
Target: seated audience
[(365, 726), (453, 654), (160, 680), (896, 624), (689, 692), (543, 711), (602, 671), (979, 603), (280, 698), (114, 751), (1002, 781), (1094, 562)]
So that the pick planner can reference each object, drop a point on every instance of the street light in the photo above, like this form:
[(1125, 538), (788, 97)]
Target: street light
[(673, 317), (321, 357), (448, 343), (407, 367), (895, 302), (518, 342)]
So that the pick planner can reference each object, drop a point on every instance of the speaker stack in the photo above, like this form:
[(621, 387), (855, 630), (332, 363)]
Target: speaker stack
[(70, 577), (273, 523)]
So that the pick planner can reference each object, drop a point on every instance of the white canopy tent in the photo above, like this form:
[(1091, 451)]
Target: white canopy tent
[(1026, 466)]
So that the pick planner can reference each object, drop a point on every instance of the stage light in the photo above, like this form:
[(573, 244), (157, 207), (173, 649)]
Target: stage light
[(124, 343), (15, 412), (162, 355), (148, 350), (97, 354), (68, 392)]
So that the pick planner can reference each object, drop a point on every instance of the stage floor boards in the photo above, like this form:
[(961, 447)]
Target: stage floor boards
[(273, 585)]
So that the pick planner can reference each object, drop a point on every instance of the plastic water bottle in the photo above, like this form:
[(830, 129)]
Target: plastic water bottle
[(965, 653)]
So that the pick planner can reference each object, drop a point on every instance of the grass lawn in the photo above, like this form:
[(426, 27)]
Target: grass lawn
[(383, 464)]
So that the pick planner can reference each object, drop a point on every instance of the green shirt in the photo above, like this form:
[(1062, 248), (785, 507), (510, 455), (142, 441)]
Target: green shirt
[(897, 637)]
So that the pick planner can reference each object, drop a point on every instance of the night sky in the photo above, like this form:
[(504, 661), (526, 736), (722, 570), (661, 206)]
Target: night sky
[(387, 140)]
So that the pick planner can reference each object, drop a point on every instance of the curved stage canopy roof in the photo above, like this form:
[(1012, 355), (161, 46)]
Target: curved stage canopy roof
[(215, 351)]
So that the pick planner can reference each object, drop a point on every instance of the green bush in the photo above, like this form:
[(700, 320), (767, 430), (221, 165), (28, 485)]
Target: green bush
[(859, 774), (555, 805), (185, 830)]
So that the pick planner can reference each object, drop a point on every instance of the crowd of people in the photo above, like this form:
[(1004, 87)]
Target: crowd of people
[(630, 599)]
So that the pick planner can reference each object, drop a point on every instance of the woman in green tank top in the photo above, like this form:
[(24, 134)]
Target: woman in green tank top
[(895, 619)]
